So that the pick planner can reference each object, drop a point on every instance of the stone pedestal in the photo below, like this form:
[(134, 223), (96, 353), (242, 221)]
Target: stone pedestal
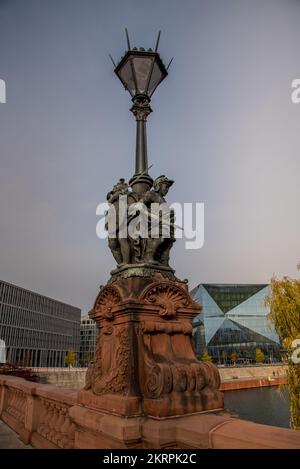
[(145, 367), (145, 363)]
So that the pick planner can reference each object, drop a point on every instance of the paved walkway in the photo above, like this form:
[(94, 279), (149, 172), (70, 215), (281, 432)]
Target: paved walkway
[(9, 439)]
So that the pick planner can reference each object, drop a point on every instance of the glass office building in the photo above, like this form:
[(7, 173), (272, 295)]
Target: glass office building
[(88, 338), (37, 331), (234, 320)]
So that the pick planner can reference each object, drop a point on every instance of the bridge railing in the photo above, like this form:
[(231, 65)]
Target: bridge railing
[(39, 413), (50, 417)]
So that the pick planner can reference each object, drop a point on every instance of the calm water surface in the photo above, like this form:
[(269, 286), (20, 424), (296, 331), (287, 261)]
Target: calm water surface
[(268, 405)]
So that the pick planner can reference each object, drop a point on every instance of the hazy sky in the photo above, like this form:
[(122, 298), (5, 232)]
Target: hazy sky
[(223, 127)]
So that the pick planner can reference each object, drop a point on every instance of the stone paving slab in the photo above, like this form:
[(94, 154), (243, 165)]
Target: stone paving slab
[(9, 439)]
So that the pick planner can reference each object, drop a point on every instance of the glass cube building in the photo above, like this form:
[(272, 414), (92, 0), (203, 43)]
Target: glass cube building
[(234, 320)]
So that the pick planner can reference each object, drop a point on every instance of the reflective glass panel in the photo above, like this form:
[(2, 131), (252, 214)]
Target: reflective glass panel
[(142, 67), (126, 76), (156, 78)]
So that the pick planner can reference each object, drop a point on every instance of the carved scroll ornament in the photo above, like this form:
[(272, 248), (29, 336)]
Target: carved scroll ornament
[(168, 297), (107, 299)]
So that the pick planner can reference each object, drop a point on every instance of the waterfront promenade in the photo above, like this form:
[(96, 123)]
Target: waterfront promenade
[(232, 377), (245, 377)]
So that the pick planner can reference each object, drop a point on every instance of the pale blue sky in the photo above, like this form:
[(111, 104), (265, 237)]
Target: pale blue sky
[(223, 127)]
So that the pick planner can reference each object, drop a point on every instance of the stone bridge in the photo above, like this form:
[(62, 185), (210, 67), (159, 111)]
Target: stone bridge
[(45, 416)]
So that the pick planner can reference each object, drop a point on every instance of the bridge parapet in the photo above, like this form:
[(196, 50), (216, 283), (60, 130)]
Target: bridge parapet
[(38, 413), (50, 417)]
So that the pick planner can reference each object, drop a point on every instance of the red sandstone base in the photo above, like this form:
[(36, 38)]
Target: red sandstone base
[(197, 431), (145, 363)]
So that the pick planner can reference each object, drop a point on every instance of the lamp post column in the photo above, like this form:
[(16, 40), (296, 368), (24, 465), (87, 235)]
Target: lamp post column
[(141, 181)]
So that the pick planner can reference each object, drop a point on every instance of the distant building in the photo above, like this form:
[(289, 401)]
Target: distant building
[(234, 319), (2, 351), (88, 337), (37, 331)]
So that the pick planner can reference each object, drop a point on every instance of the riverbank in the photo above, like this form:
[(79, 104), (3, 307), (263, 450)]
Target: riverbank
[(233, 378)]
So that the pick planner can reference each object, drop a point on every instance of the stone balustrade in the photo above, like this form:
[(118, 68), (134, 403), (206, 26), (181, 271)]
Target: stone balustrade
[(39, 413), (49, 417)]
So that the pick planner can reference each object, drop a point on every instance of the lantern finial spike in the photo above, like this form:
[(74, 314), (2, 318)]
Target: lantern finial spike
[(127, 38), (157, 41), (112, 60), (170, 63)]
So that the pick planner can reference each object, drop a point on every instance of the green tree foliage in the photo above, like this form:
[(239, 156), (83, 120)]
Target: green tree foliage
[(206, 357), (284, 304), (70, 358), (259, 355)]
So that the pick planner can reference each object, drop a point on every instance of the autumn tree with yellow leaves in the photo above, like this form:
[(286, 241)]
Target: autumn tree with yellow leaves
[(259, 355), (284, 304), (206, 357)]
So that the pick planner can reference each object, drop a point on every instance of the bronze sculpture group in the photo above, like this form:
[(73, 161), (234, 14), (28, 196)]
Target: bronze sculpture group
[(136, 246)]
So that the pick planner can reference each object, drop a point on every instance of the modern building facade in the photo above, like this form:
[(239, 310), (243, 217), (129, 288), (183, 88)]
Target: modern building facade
[(2, 352), (37, 331), (88, 338), (234, 320)]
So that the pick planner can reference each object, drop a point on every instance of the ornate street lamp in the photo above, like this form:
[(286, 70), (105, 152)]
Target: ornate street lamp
[(141, 71), (145, 364)]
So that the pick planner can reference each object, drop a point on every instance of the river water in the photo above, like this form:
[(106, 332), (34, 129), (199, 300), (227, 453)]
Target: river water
[(268, 405)]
